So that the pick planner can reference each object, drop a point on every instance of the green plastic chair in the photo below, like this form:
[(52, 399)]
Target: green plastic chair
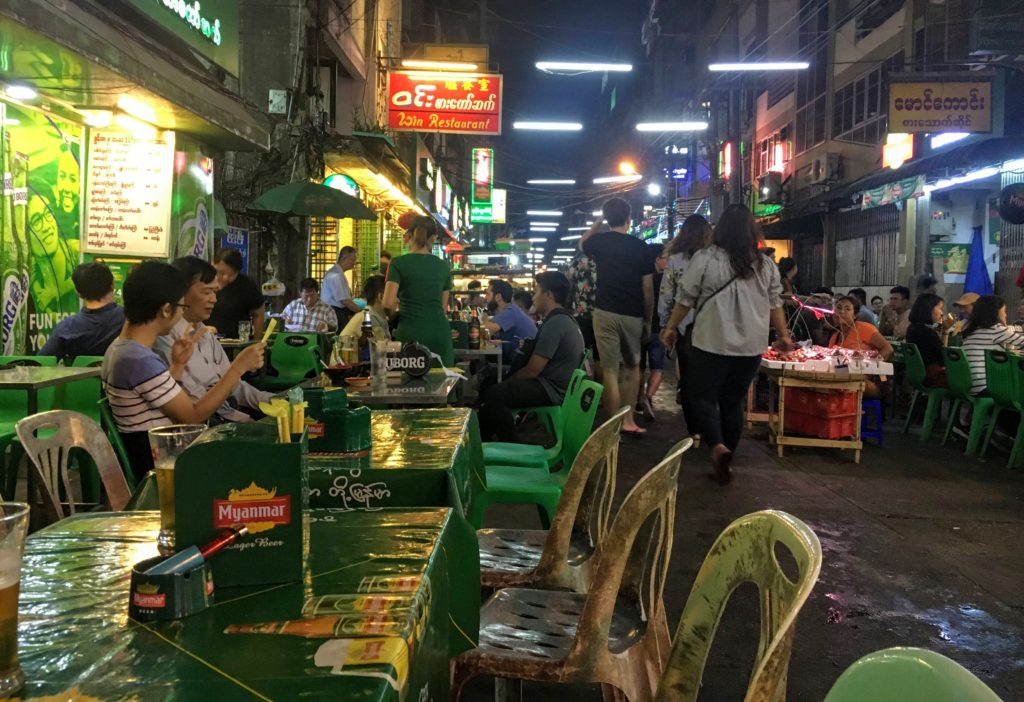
[(904, 674), (958, 375), (1001, 379), (915, 378), (513, 454), (524, 485), (745, 553), (293, 358), (114, 436)]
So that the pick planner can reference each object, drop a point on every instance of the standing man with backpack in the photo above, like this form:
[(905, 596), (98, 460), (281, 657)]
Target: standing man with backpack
[(624, 306)]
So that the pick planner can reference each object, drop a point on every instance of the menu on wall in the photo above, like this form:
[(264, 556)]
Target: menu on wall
[(128, 193)]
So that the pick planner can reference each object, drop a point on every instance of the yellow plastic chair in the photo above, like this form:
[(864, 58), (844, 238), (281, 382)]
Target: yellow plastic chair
[(745, 552), (614, 634), (909, 675), (560, 557)]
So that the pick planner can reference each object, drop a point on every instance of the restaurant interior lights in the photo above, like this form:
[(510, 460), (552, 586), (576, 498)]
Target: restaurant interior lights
[(137, 109), (438, 65), (539, 240), (583, 67), (544, 213), (578, 229), (98, 119), (548, 126), (543, 224), (739, 66), (692, 126), (135, 126), (21, 91), (574, 237), (551, 181)]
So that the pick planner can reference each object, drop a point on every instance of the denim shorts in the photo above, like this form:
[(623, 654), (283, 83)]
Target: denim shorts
[(654, 353)]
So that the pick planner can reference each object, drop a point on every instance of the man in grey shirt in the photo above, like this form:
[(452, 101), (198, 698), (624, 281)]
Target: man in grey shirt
[(208, 362), (557, 352)]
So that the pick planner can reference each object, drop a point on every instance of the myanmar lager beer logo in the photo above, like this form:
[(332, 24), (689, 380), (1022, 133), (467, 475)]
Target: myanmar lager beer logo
[(148, 595), (258, 508)]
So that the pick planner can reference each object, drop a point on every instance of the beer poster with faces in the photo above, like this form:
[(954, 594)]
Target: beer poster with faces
[(39, 225)]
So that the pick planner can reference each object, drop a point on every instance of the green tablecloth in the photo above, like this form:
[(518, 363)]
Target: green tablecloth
[(419, 458), (400, 584)]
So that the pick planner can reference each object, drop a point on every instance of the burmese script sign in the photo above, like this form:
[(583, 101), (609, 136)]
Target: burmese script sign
[(128, 194), (964, 106), (457, 103)]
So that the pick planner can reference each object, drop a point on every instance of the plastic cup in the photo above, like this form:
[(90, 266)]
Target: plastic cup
[(13, 527), (167, 443)]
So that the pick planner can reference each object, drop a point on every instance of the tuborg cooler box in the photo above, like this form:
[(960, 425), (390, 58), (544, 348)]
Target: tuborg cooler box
[(240, 474)]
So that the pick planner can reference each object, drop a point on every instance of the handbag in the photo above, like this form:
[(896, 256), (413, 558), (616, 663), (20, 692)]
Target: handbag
[(526, 346)]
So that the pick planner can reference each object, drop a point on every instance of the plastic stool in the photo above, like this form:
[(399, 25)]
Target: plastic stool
[(866, 431)]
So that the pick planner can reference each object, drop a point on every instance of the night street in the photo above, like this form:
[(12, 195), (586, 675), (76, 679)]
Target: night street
[(919, 549)]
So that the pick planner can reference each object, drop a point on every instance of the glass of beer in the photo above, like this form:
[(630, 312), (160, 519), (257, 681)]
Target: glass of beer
[(244, 331), (13, 526), (167, 443)]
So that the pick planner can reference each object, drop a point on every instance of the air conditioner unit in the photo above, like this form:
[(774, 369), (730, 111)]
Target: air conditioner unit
[(823, 168)]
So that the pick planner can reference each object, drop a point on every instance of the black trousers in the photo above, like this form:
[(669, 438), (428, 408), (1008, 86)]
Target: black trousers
[(717, 386), (136, 443), (497, 422), (683, 359)]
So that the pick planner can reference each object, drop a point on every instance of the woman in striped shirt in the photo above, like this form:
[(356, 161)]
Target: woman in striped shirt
[(987, 331)]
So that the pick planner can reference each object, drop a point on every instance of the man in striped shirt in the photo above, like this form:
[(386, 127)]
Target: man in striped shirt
[(142, 391)]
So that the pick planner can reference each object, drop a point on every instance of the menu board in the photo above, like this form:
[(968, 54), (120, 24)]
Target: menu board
[(128, 193)]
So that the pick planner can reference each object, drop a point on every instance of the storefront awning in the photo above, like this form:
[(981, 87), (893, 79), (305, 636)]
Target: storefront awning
[(968, 157), (375, 167), (80, 57)]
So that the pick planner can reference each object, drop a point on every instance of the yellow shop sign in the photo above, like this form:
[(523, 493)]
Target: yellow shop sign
[(962, 106)]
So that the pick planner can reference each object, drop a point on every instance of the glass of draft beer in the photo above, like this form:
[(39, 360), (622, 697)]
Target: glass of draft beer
[(167, 443), (13, 526)]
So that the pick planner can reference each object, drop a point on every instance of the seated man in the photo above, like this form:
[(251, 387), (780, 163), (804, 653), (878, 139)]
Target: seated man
[(208, 363), (143, 392), (90, 331), (309, 313), (557, 352), (508, 323)]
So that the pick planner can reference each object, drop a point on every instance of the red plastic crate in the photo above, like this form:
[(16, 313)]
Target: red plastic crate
[(834, 403), (822, 427)]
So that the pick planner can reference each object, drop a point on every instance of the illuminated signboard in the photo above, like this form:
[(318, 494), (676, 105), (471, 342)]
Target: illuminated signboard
[(345, 184), (210, 27), (483, 174), (456, 103), (932, 106), (492, 212)]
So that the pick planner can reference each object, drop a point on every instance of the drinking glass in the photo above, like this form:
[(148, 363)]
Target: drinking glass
[(13, 526), (244, 331), (167, 443)]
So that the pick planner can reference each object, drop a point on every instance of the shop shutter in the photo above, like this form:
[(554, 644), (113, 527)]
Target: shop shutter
[(865, 252), (1011, 255)]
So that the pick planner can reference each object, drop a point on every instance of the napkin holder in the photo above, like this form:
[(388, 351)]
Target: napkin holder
[(241, 474), (335, 426), (171, 595)]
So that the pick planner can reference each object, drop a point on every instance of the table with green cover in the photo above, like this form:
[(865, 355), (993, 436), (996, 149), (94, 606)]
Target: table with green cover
[(387, 599), (419, 458)]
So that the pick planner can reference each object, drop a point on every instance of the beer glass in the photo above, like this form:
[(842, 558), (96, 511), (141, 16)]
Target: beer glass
[(244, 331), (13, 526), (167, 443)]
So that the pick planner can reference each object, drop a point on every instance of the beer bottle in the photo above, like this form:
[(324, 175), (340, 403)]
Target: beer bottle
[(365, 337), (474, 331)]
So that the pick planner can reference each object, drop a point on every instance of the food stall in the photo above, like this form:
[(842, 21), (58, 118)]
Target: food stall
[(815, 396)]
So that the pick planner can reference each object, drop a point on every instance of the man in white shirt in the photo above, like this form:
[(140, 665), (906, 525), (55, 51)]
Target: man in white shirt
[(336, 291), (208, 363)]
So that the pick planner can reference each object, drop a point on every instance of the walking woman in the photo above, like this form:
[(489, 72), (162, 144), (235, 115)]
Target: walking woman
[(694, 235), (733, 290), (420, 283)]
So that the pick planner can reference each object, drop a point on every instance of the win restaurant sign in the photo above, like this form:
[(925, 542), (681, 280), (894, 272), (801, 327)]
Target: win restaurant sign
[(456, 103), (939, 106)]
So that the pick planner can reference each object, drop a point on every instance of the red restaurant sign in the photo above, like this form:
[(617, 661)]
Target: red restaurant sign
[(457, 103)]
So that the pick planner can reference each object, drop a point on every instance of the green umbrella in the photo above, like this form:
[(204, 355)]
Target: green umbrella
[(311, 200)]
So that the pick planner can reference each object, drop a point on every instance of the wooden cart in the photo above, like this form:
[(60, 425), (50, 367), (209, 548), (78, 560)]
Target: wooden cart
[(779, 380)]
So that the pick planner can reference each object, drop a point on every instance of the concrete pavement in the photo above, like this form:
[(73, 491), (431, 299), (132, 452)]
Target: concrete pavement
[(921, 547)]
